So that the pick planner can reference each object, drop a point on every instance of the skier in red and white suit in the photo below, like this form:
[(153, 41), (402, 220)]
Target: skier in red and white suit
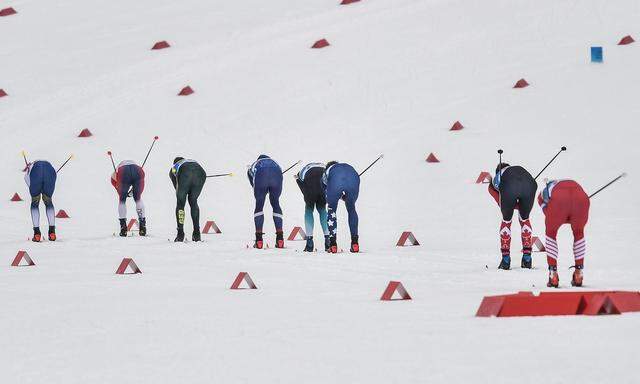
[(564, 202)]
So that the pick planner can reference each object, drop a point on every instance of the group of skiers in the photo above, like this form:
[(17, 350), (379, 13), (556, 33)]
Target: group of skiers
[(322, 187), (562, 202)]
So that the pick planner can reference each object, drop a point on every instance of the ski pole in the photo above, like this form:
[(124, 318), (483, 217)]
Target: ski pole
[(112, 162), (286, 170), (24, 156), (608, 184), (221, 174), (65, 163), (500, 152), (152, 144), (551, 161), (371, 165)]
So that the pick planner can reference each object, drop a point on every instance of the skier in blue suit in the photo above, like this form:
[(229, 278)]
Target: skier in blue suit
[(265, 176), (341, 181), (41, 180)]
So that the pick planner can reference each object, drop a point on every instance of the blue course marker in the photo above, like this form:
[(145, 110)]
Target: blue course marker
[(596, 54)]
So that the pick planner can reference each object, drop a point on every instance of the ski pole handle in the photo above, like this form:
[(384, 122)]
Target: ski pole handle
[(608, 184), (152, 144), (287, 170), (220, 175), (371, 165), (550, 161), (65, 163), (112, 162)]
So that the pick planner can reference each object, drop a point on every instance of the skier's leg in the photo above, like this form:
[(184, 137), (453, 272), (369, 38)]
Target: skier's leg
[(333, 196), (508, 200), (578, 220), (49, 187), (308, 219), (525, 205), (275, 190), (181, 199), (198, 179), (35, 217)]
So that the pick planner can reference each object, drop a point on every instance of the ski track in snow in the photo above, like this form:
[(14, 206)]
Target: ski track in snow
[(396, 76)]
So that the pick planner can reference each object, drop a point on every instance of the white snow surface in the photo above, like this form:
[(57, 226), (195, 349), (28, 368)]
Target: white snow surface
[(397, 75)]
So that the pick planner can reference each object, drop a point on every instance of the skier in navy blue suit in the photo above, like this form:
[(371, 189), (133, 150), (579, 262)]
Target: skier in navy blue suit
[(265, 176), (41, 180), (341, 181)]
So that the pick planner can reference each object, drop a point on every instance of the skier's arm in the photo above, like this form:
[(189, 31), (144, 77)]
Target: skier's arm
[(494, 193), (173, 178), (250, 176)]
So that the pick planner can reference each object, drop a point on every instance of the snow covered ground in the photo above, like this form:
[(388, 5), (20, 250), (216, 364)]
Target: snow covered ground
[(395, 78)]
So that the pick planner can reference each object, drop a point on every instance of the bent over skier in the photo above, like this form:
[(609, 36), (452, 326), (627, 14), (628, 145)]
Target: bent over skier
[(564, 202), (341, 181), (41, 180), (129, 176), (188, 178), (309, 179), (514, 188), (265, 176)]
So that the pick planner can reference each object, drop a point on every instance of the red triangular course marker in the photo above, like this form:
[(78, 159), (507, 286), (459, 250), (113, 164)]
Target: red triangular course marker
[(211, 227), (62, 214), (7, 12), (243, 276), (297, 232), (483, 178), (320, 44), (407, 236), (22, 255), (522, 83), (432, 158), (626, 40), (128, 263), (538, 246), (345, 2), (16, 197), (132, 222), (160, 45), (3, 93), (457, 126), (85, 133), (186, 91), (393, 287)]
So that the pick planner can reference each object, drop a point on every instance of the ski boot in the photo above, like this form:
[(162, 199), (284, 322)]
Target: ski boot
[(180, 236), (327, 243), (123, 228), (505, 263), (554, 279), (576, 280), (143, 226), (355, 247), (526, 261), (195, 236), (279, 239), (333, 245), (37, 236), (309, 246), (258, 244), (52, 233)]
